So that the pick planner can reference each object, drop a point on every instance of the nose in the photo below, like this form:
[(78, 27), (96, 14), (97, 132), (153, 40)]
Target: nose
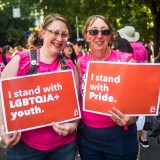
[(99, 34), (59, 37)]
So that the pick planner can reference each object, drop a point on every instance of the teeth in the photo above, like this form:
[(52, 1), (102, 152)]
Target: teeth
[(99, 42)]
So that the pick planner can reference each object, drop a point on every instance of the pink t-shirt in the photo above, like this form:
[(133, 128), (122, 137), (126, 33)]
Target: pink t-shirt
[(140, 53), (92, 119), (43, 138), (1, 63)]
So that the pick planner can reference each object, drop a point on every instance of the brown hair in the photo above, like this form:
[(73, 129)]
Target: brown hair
[(92, 19), (35, 39), (52, 17)]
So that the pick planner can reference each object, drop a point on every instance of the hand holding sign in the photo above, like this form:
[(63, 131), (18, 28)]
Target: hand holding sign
[(120, 118), (65, 129)]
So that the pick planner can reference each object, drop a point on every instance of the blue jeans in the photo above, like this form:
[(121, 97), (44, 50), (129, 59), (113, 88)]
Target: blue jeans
[(23, 152), (111, 143)]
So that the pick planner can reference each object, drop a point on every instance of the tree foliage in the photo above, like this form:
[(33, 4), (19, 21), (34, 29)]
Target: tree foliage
[(12, 30), (143, 15)]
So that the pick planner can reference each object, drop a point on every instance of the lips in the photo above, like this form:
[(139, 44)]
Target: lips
[(57, 45)]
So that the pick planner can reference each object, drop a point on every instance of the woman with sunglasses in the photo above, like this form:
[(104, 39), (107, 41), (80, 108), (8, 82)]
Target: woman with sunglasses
[(102, 137), (58, 141)]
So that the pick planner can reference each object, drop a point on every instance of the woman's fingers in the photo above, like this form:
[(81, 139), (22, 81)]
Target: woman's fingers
[(64, 129), (120, 118), (11, 140), (16, 138)]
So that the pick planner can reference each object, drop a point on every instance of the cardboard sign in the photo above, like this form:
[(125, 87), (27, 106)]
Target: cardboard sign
[(133, 88), (38, 100)]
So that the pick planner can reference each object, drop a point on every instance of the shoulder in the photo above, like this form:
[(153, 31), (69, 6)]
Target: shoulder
[(120, 56), (84, 59), (24, 62), (70, 64)]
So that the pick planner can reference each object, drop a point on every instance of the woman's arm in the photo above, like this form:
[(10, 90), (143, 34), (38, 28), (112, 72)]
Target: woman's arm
[(9, 71)]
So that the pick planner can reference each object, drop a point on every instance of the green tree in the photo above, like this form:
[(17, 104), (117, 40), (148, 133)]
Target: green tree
[(12, 30), (143, 15)]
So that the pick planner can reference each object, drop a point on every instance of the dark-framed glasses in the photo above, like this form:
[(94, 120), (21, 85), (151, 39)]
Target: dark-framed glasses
[(95, 32), (57, 34)]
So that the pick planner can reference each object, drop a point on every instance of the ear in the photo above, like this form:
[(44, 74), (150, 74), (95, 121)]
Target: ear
[(42, 32)]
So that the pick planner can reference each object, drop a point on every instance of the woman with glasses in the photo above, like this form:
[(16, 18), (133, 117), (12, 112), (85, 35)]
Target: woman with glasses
[(56, 142), (102, 137)]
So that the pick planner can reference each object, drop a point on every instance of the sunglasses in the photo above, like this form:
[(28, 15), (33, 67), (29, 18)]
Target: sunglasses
[(67, 46), (95, 32)]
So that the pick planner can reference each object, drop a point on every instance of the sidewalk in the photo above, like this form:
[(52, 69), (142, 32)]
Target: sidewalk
[(151, 153)]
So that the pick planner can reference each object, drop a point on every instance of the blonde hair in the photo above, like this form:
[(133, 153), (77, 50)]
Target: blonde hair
[(92, 19)]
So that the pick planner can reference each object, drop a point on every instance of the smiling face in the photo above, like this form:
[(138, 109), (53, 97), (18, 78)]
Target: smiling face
[(54, 41), (98, 42)]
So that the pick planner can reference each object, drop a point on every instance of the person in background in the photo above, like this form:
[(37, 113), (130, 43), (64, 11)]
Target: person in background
[(140, 53), (149, 50), (58, 141), (34, 38), (102, 137), (78, 45), (122, 45), (5, 56), (69, 53)]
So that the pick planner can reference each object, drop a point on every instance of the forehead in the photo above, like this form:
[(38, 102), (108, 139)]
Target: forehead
[(58, 25), (98, 23)]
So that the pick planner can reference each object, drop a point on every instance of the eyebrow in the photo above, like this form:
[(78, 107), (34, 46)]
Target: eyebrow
[(100, 28)]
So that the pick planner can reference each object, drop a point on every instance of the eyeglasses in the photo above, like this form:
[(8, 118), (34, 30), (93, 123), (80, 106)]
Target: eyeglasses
[(94, 32), (57, 34)]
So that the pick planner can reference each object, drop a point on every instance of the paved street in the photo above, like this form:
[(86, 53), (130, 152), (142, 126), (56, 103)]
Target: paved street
[(151, 153)]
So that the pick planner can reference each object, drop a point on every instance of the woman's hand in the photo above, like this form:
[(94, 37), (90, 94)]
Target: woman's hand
[(120, 118), (10, 139), (65, 129)]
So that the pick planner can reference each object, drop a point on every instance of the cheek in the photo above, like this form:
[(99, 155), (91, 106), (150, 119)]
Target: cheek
[(88, 38)]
